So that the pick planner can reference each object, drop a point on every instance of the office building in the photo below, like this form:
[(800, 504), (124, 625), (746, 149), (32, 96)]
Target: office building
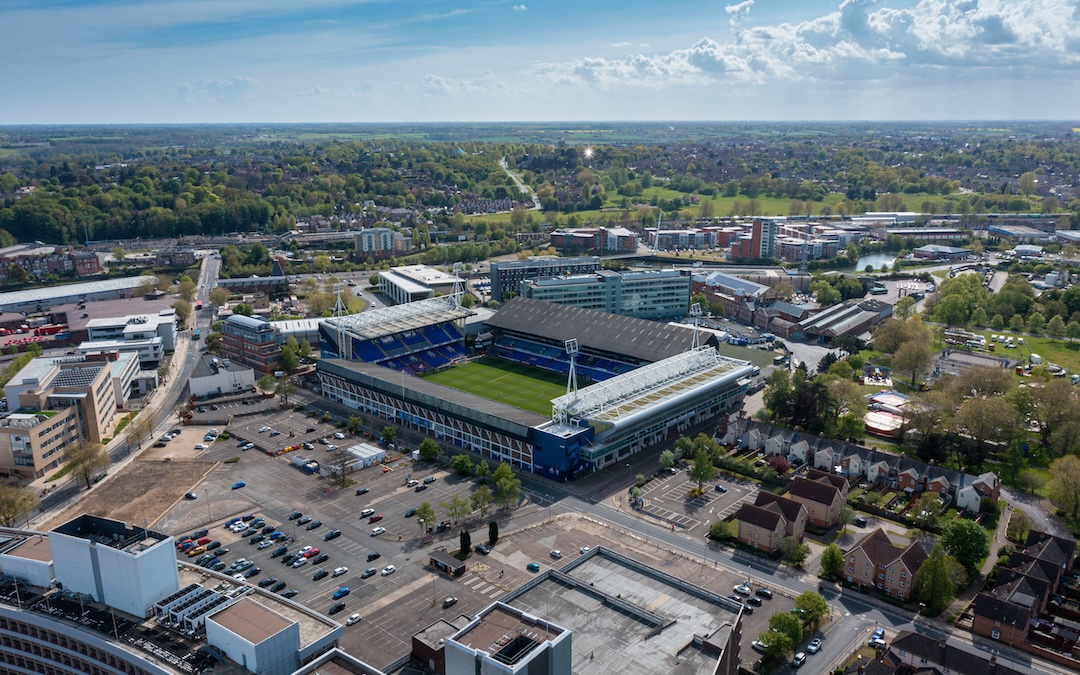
[(252, 341), (414, 282), (660, 294), (506, 277)]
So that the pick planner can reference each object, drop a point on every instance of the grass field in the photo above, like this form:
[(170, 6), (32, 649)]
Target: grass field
[(514, 384)]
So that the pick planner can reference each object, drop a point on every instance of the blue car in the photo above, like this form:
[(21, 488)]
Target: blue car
[(238, 484), (341, 592)]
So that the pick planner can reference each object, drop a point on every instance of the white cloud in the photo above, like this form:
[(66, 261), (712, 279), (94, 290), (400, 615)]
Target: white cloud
[(483, 83), (233, 91), (315, 92), (738, 12), (861, 40), (619, 45), (519, 8)]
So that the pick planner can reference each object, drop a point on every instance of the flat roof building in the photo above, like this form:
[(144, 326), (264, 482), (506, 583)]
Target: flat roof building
[(414, 282), (506, 276), (256, 637), (503, 639), (40, 299), (651, 294), (215, 376), (252, 341)]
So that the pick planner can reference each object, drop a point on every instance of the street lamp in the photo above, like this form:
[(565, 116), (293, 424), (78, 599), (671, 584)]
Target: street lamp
[(206, 492)]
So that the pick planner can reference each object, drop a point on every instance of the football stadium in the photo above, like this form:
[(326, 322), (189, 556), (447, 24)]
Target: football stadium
[(551, 389)]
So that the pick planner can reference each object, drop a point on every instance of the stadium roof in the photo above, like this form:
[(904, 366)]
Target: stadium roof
[(649, 386), (599, 331), (377, 323)]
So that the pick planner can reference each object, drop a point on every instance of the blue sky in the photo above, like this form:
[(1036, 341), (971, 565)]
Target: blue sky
[(140, 61)]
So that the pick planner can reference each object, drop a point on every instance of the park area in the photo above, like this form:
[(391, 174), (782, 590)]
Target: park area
[(514, 384)]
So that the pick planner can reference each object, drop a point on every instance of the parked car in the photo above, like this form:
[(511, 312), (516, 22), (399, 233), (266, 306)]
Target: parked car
[(555, 553), (264, 544), (758, 646), (311, 553), (338, 571), (388, 570), (319, 575), (190, 495), (254, 571), (482, 549), (332, 534), (295, 514), (341, 592), (304, 521), (279, 586), (410, 513), (279, 551), (290, 594), (299, 562), (763, 593), (799, 659), (337, 608), (367, 512), (362, 491), (321, 558), (353, 619), (721, 488), (369, 572), (449, 602), (430, 479), (375, 518), (376, 531), (533, 567), (373, 555), (754, 600), (814, 646), (412, 483), (238, 484), (314, 525), (268, 581)]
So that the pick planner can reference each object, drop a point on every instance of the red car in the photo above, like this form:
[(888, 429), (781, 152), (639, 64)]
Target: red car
[(180, 543), (204, 541), (375, 518), (312, 553)]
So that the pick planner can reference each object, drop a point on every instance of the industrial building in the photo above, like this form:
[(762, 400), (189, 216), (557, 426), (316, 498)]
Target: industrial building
[(41, 299), (219, 377)]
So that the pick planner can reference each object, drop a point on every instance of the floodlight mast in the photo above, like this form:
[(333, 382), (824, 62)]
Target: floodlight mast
[(695, 311), (457, 291), (571, 346)]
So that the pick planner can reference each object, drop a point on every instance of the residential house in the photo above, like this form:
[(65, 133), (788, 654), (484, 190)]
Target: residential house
[(917, 653), (874, 561), (825, 459), (795, 514), (986, 486), (760, 527), (821, 495), (1024, 588)]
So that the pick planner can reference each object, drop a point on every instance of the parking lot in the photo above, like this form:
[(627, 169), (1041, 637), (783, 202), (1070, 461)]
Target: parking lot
[(275, 430), (219, 412), (666, 498)]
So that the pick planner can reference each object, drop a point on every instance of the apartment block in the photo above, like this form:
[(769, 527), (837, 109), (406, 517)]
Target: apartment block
[(874, 561)]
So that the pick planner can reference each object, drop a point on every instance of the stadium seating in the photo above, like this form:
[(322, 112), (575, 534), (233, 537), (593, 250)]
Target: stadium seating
[(549, 357)]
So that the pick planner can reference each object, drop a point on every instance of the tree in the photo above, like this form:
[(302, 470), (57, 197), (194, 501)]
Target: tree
[(1036, 322), (966, 541), (722, 530), (467, 300), (892, 333), (978, 317), (186, 290), (951, 310), (925, 510), (845, 516), (913, 358), (290, 358), (788, 624), (507, 485), (493, 533), (218, 296), (425, 516), (266, 383), (935, 587), (1027, 182), (138, 430), (284, 388), (813, 605), (462, 464), (832, 561), (243, 309), (16, 505), (18, 273), (1063, 488), (481, 499), (905, 308), (701, 468), (388, 435), (482, 470), (1072, 330), (119, 253), (667, 459), (793, 551), (322, 263), (825, 293), (429, 449), (466, 542), (183, 309), (1055, 328), (354, 424), (986, 419), (373, 280), (776, 644), (86, 459)]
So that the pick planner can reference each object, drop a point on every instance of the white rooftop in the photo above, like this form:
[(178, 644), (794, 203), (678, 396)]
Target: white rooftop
[(53, 294), (429, 276), (376, 323)]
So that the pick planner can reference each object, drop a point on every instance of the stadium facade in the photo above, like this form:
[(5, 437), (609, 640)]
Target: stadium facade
[(652, 381)]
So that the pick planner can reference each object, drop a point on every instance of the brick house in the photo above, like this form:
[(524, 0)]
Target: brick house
[(760, 527), (874, 561), (1024, 587), (822, 494), (794, 513)]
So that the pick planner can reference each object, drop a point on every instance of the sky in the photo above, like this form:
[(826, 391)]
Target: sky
[(183, 61)]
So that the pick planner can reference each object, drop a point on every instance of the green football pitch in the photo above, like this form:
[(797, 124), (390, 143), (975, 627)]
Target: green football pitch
[(511, 383)]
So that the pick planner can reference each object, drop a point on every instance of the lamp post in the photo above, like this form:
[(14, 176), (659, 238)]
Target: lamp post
[(206, 493)]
